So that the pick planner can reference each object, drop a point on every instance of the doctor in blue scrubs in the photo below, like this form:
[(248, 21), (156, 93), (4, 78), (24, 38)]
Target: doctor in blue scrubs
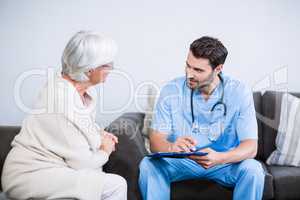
[(211, 112)]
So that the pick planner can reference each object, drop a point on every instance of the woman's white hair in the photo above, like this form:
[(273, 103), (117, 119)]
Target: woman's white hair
[(86, 50)]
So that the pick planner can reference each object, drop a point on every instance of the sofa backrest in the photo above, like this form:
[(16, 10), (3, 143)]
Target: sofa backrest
[(258, 108), (7, 134), (267, 106), (269, 118)]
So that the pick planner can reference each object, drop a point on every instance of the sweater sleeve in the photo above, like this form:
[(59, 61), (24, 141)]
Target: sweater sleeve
[(77, 138), (81, 142)]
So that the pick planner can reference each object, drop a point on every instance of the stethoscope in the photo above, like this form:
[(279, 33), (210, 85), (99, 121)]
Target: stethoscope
[(220, 102)]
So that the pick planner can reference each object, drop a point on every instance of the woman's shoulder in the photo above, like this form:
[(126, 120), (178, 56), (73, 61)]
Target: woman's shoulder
[(54, 97)]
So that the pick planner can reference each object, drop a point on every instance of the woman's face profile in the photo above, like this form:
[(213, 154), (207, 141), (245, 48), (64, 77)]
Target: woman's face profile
[(99, 74)]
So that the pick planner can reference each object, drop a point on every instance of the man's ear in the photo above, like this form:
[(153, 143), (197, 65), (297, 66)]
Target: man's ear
[(219, 68)]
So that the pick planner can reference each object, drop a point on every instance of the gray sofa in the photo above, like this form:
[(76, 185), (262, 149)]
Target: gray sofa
[(281, 182)]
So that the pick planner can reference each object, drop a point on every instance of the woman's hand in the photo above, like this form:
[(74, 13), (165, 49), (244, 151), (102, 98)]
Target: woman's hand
[(112, 136), (108, 142)]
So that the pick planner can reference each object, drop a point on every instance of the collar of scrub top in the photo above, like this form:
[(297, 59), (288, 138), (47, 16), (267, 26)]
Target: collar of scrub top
[(219, 102)]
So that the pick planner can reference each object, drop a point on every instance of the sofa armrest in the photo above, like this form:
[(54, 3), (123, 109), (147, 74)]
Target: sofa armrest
[(129, 151)]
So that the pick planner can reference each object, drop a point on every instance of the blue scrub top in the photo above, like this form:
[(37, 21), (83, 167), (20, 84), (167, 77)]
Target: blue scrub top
[(172, 114)]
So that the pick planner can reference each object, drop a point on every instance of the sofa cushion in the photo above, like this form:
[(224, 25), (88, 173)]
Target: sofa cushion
[(286, 181), (271, 108), (7, 134), (287, 151), (129, 151), (269, 183), (2, 196), (199, 189)]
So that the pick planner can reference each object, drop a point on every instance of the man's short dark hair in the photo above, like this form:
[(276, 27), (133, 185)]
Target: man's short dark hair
[(211, 49)]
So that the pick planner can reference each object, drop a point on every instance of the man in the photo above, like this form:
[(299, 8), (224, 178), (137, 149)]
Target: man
[(213, 113)]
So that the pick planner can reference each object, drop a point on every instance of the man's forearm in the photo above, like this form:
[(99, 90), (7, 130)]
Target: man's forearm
[(247, 149), (160, 146), (159, 142)]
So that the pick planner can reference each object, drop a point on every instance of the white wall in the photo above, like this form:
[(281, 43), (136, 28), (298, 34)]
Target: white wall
[(153, 36)]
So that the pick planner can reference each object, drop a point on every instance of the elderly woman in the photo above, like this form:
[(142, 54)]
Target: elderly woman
[(60, 153)]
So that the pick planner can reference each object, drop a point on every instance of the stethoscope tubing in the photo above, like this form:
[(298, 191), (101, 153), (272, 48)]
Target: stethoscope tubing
[(221, 101)]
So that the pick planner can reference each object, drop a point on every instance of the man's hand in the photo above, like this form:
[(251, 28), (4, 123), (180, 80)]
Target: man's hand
[(182, 144), (213, 158)]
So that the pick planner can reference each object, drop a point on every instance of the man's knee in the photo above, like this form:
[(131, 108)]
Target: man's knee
[(145, 166), (144, 163), (252, 169), (149, 166)]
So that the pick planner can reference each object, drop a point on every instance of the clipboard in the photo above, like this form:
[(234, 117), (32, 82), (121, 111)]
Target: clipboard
[(176, 154)]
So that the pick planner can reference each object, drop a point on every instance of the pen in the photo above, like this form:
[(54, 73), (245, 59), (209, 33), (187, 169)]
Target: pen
[(193, 149)]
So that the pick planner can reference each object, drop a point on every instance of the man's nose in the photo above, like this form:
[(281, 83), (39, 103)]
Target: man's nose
[(190, 74)]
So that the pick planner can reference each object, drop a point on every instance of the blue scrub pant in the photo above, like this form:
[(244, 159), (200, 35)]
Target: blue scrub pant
[(247, 177)]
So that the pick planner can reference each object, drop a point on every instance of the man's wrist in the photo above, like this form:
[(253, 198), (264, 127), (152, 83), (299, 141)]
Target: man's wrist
[(170, 147), (223, 157)]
